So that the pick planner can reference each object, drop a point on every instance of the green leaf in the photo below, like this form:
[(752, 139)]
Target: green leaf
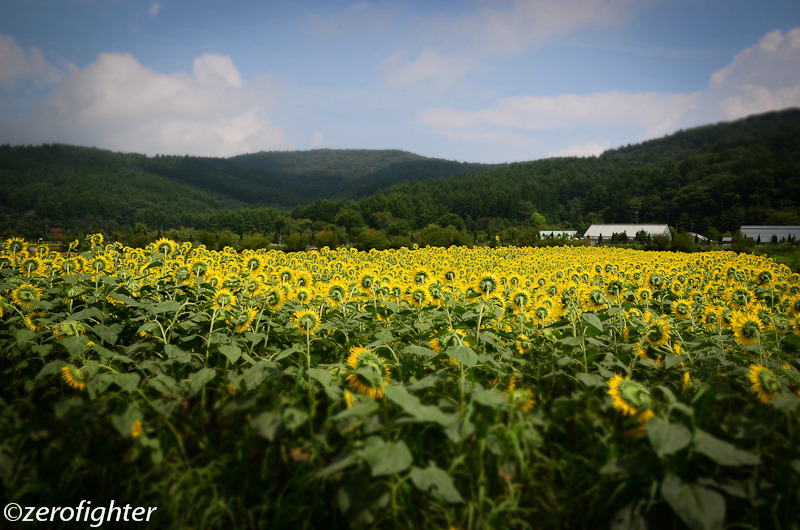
[(572, 341), (722, 452), (698, 507), (671, 360), (173, 352), (231, 352), (590, 379), (24, 335), (436, 483), (388, 458), (419, 350), (592, 320), (199, 379), (667, 438), (412, 405), (323, 376), (125, 299), (53, 367), (267, 424), (336, 466), (98, 385), (108, 333), (256, 374), (127, 382), (463, 354), (170, 306), (358, 411), (294, 417), (490, 398), (165, 384)]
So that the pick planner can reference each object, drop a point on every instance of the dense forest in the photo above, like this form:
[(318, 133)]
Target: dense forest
[(709, 179)]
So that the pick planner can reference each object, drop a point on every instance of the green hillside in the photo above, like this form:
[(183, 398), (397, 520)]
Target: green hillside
[(722, 176), (85, 188), (715, 178)]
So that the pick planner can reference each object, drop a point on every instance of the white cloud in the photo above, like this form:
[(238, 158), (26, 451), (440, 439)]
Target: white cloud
[(429, 66), (117, 103), (503, 28), (651, 113), (587, 149), (317, 139), (763, 77), (508, 27), (18, 66)]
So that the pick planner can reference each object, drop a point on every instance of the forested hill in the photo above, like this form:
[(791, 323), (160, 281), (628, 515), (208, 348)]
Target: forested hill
[(720, 176), (87, 188)]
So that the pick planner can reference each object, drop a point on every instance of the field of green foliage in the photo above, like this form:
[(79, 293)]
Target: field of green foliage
[(462, 388)]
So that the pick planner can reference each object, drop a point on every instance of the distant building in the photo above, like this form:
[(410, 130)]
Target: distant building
[(595, 232), (766, 233), (553, 234)]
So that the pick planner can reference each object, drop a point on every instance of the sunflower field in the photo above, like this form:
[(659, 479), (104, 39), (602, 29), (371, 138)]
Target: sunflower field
[(464, 388)]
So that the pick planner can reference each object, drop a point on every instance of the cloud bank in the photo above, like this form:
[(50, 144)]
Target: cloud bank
[(117, 103), (762, 78)]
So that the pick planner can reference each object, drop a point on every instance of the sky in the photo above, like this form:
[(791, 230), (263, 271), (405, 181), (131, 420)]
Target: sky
[(476, 81)]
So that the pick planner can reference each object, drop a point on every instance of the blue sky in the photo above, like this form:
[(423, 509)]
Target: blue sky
[(492, 81)]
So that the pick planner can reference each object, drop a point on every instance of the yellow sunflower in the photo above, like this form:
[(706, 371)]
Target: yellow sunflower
[(765, 382), (307, 321), (371, 373), (747, 327), (25, 295), (630, 397), (73, 377)]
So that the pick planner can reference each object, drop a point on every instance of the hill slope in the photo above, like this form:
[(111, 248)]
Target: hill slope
[(723, 176), (78, 187)]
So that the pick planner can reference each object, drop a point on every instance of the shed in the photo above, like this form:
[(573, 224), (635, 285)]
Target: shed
[(766, 232), (553, 234), (606, 231)]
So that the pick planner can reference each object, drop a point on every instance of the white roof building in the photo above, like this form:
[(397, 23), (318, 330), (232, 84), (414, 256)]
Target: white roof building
[(595, 231), (550, 234), (782, 232)]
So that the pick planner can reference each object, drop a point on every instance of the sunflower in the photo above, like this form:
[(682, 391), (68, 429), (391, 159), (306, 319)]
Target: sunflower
[(371, 373), (366, 282), (136, 428), (26, 295), (31, 266), (274, 298), (335, 293), (307, 321), (243, 319), (658, 330), (747, 327), (682, 308), (594, 300), (765, 383), (520, 299), (523, 343), (14, 245), (69, 328), (630, 397), (164, 245), (224, 298), (487, 284), (73, 377)]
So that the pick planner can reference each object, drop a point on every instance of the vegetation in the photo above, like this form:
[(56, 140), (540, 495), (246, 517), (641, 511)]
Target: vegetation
[(709, 180), (470, 388)]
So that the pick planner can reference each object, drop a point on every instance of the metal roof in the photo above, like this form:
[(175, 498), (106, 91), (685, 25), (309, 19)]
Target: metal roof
[(767, 231), (607, 231), (557, 233)]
